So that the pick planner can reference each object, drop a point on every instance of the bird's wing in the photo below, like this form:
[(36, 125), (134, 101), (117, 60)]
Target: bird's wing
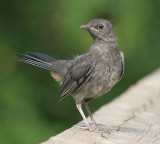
[(77, 75)]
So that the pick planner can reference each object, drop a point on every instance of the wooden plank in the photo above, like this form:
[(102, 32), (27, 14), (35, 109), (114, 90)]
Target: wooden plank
[(134, 118)]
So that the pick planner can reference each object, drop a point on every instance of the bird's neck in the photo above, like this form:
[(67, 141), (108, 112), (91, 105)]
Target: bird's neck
[(103, 48), (109, 43)]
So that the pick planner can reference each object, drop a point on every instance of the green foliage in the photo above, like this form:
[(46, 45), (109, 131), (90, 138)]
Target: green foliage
[(29, 112)]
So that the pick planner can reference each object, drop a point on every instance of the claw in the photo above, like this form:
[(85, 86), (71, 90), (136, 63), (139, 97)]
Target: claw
[(94, 129)]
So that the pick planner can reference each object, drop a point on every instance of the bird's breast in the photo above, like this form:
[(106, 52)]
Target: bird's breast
[(107, 72)]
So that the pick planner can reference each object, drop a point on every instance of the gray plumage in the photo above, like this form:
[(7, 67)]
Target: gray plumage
[(90, 75)]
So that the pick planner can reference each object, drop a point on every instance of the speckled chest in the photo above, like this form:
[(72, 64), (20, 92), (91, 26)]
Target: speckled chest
[(107, 68)]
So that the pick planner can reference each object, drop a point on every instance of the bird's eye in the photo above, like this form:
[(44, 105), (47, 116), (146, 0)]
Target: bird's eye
[(100, 26)]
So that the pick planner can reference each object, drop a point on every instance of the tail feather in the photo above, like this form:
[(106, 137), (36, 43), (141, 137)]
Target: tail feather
[(41, 56), (36, 59), (35, 63)]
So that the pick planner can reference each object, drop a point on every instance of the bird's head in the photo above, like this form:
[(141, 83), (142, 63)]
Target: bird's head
[(100, 29)]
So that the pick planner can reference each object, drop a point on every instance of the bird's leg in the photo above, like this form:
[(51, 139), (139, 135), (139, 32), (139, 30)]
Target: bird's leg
[(79, 107), (93, 121), (90, 115)]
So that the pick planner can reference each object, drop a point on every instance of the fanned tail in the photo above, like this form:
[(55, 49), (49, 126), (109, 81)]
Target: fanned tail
[(36, 59)]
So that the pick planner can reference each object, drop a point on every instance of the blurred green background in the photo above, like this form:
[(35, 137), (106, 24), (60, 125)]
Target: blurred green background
[(29, 112)]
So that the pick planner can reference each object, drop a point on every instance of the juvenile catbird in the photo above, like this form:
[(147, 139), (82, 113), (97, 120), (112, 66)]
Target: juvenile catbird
[(89, 75)]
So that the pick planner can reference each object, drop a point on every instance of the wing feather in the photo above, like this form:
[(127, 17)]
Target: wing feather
[(79, 73)]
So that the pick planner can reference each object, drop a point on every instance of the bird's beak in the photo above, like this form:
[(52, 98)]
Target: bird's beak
[(84, 27), (88, 28)]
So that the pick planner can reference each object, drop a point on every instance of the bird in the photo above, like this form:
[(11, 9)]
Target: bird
[(89, 75)]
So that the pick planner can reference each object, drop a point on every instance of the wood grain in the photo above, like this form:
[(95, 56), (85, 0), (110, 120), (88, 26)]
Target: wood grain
[(134, 118)]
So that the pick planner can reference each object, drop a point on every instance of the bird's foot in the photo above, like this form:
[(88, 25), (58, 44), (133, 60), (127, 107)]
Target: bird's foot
[(94, 128), (101, 130)]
